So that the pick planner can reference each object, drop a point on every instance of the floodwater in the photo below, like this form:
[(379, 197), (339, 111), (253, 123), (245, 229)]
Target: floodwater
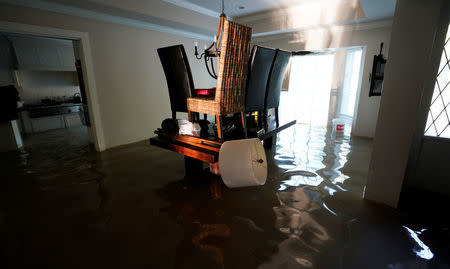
[(64, 206)]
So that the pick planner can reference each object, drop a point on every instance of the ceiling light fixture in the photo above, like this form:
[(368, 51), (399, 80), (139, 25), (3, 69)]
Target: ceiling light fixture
[(214, 49)]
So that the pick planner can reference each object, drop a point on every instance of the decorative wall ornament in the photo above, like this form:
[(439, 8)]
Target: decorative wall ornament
[(377, 76)]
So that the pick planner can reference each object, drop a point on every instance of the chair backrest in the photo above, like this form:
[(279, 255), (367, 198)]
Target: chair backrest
[(232, 67), (260, 64), (178, 76), (276, 76)]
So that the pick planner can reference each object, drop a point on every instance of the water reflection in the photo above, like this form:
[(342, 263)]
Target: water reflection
[(64, 206), (308, 161), (422, 250), (235, 231)]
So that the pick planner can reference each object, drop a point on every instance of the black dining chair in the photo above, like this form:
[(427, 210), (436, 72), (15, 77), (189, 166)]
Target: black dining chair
[(274, 84), (259, 67), (178, 76)]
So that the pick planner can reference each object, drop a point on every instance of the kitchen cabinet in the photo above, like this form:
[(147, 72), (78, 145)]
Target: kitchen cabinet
[(43, 54), (42, 119), (47, 123)]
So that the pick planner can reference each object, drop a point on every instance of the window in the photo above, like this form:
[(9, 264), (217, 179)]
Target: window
[(438, 122), (350, 83), (309, 88)]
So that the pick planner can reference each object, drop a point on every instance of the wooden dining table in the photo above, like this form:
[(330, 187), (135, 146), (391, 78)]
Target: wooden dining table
[(198, 150)]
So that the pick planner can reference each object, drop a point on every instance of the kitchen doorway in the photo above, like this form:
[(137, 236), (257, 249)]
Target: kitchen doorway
[(52, 108), (82, 47)]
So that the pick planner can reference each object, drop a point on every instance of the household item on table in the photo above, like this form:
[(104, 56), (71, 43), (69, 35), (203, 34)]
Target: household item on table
[(274, 84), (170, 126), (188, 128), (243, 163), (230, 88), (204, 125)]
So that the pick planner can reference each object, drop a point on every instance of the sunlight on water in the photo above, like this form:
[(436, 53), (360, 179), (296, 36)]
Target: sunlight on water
[(315, 150), (422, 250)]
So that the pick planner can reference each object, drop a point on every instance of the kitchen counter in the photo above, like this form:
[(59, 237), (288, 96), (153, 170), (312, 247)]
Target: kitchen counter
[(38, 106), (41, 117), (38, 111)]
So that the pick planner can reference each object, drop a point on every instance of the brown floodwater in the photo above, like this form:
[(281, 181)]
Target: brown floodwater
[(62, 205)]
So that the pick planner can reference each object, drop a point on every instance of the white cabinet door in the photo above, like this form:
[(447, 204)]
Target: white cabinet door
[(66, 58), (72, 120), (47, 123), (44, 54), (27, 57)]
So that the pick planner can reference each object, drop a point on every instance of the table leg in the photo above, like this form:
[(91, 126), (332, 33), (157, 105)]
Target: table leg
[(192, 166)]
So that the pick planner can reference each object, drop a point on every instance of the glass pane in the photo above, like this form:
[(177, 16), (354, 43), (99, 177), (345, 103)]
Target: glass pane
[(447, 49), (429, 122), (446, 95), (435, 93), (446, 132), (310, 85), (350, 83), (441, 122), (437, 107), (440, 102), (431, 131), (444, 60), (444, 77)]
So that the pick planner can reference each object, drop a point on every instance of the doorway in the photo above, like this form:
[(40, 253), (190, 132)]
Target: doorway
[(324, 87), (309, 88), (47, 77), (82, 45), (351, 80)]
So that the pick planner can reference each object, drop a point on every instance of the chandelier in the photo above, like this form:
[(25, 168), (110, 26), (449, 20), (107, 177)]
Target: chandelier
[(214, 49)]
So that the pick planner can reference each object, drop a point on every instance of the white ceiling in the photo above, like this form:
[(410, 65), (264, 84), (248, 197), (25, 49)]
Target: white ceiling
[(198, 18), (235, 8), (374, 9)]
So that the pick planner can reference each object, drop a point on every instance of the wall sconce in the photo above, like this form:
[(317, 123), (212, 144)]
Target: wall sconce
[(377, 75)]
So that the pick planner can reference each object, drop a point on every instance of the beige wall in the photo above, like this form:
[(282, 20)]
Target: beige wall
[(131, 88), (339, 37), (428, 157), (407, 72)]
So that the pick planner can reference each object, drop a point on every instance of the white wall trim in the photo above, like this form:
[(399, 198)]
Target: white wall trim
[(100, 16), (194, 7), (87, 65), (341, 27), (285, 11), (263, 15)]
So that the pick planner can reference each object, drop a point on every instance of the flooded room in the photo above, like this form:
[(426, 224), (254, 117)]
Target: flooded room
[(224, 134)]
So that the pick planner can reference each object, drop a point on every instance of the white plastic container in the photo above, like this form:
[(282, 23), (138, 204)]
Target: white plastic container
[(342, 123), (338, 125), (243, 163)]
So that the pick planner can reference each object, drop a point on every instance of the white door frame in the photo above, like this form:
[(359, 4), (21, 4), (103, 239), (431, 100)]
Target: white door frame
[(87, 66)]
